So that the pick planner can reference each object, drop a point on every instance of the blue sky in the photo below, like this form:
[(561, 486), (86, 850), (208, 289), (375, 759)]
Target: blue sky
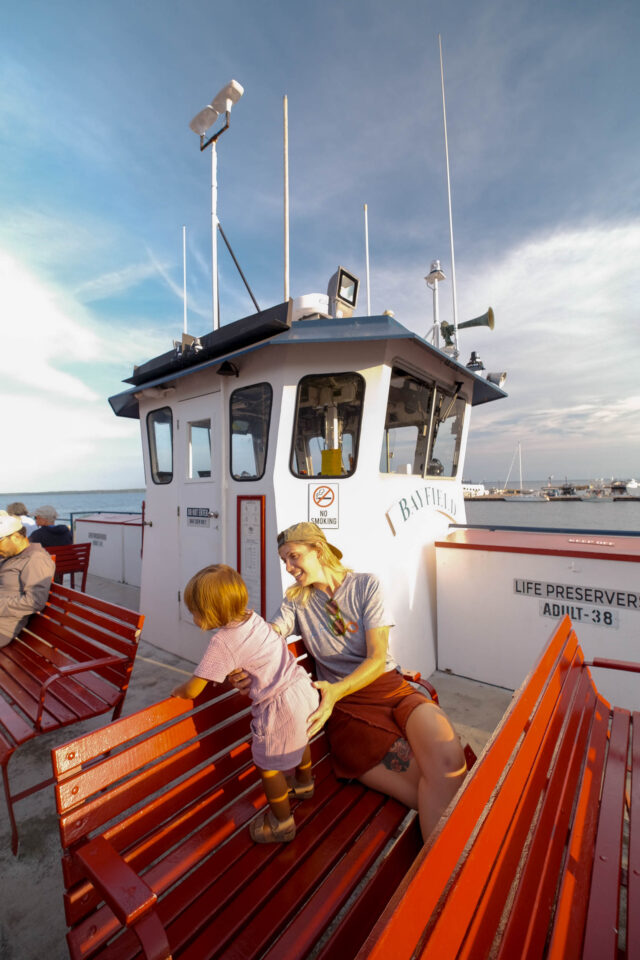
[(99, 171)]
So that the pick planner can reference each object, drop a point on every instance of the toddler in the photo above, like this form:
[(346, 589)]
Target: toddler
[(281, 691)]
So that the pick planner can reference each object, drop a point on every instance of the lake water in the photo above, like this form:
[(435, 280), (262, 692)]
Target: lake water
[(79, 501), (611, 516), (604, 515)]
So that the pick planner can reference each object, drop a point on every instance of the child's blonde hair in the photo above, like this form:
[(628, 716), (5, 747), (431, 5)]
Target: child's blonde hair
[(328, 559), (217, 595)]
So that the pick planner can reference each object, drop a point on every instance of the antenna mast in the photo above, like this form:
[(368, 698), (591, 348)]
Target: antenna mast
[(184, 276), (446, 152), (366, 254), (285, 109)]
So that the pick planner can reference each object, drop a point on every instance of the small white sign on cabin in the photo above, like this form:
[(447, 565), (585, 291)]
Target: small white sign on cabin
[(324, 505)]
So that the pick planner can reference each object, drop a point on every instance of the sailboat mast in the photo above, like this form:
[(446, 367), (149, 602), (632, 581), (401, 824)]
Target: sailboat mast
[(520, 459)]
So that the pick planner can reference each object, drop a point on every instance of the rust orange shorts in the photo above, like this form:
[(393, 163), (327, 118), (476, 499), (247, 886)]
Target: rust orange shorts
[(364, 725)]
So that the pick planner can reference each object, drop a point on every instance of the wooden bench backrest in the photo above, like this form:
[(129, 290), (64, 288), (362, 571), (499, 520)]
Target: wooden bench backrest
[(81, 627), (453, 901), (72, 558), (184, 764)]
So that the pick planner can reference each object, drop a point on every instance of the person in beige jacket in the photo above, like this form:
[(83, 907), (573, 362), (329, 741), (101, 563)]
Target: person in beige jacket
[(26, 572)]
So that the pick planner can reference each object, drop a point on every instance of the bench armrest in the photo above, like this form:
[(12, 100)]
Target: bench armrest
[(414, 676), (628, 665), (130, 898), (69, 671)]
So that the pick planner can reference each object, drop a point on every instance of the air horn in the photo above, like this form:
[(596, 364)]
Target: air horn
[(447, 329)]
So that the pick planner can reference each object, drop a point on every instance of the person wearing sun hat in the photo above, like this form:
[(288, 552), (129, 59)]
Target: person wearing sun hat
[(26, 572), (381, 730)]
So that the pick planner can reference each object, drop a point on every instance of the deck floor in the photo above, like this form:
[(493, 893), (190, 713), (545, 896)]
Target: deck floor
[(32, 923)]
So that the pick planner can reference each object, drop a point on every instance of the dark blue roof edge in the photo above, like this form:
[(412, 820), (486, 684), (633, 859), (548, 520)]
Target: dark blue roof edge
[(320, 330)]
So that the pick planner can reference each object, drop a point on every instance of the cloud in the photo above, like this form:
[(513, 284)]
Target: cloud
[(567, 332), (40, 331), (117, 281)]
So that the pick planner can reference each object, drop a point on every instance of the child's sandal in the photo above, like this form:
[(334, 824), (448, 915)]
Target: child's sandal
[(300, 791), (266, 829)]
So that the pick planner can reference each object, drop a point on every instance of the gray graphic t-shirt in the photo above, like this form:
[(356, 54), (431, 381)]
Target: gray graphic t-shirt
[(333, 630)]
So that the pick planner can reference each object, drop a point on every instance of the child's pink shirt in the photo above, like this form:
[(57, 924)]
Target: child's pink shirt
[(254, 646)]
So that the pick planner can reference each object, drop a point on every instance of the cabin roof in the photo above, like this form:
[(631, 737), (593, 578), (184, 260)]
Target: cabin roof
[(273, 328)]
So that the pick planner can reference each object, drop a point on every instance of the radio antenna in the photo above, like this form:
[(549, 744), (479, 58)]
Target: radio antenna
[(184, 278), (285, 113), (366, 255), (446, 153)]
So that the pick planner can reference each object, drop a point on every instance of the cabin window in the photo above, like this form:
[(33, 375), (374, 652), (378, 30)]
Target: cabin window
[(250, 417), (406, 429), (327, 425), (423, 428), (448, 419), (160, 434), (199, 449)]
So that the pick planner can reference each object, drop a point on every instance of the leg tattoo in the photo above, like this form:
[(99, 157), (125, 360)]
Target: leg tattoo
[(398, 757)]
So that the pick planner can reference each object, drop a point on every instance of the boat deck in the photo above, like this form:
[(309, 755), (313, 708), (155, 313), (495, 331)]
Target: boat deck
[(32, 921)]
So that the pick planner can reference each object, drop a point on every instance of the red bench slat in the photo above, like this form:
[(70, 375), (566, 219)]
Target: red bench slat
[(537, 886), (311, 921), (571, 907), (633, 892), (601, 931)]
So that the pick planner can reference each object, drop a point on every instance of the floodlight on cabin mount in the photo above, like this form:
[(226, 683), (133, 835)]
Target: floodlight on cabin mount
[(203, 121), (342, 291)]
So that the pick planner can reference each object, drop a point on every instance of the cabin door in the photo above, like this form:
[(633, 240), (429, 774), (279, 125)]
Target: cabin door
[(199, 436)]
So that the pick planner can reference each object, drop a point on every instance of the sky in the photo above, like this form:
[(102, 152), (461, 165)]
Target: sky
[(99, 172)]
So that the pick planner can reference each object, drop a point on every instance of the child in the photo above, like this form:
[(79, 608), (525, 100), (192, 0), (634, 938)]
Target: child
[(281, 690)]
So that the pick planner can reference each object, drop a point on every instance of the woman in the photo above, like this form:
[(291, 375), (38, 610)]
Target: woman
[(381, 730)]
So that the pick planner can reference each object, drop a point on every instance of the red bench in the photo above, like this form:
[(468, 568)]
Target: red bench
[(72, 558), (154, 813), (71, 662), (540, 855)]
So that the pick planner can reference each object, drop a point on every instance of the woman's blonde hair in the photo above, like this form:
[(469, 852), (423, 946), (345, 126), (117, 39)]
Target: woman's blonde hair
[(327, 558), (217, 595)]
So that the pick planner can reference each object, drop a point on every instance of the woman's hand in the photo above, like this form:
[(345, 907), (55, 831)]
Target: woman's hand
[(240, 680), (328, 699)]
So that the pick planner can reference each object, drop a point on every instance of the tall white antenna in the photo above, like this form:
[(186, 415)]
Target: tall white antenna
[(446, 152), (285, 109), (366, 254), (214, 236), (184, 277)]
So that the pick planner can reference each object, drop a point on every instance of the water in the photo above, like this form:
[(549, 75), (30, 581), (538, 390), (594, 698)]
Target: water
[(79, 501), (604, 515)]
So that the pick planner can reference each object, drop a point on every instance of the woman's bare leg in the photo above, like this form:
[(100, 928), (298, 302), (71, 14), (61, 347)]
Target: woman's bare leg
[(440, 759), (397, 775), (426, 776)]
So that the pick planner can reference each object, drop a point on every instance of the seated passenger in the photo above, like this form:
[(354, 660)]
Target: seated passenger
[(26, 572), (48, 533), (19, 510)]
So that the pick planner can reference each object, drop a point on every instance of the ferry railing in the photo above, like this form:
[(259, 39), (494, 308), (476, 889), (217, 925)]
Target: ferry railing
[(588, 532)]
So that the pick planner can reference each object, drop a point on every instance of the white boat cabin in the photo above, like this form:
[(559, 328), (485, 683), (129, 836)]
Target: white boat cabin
[(355, 423)]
